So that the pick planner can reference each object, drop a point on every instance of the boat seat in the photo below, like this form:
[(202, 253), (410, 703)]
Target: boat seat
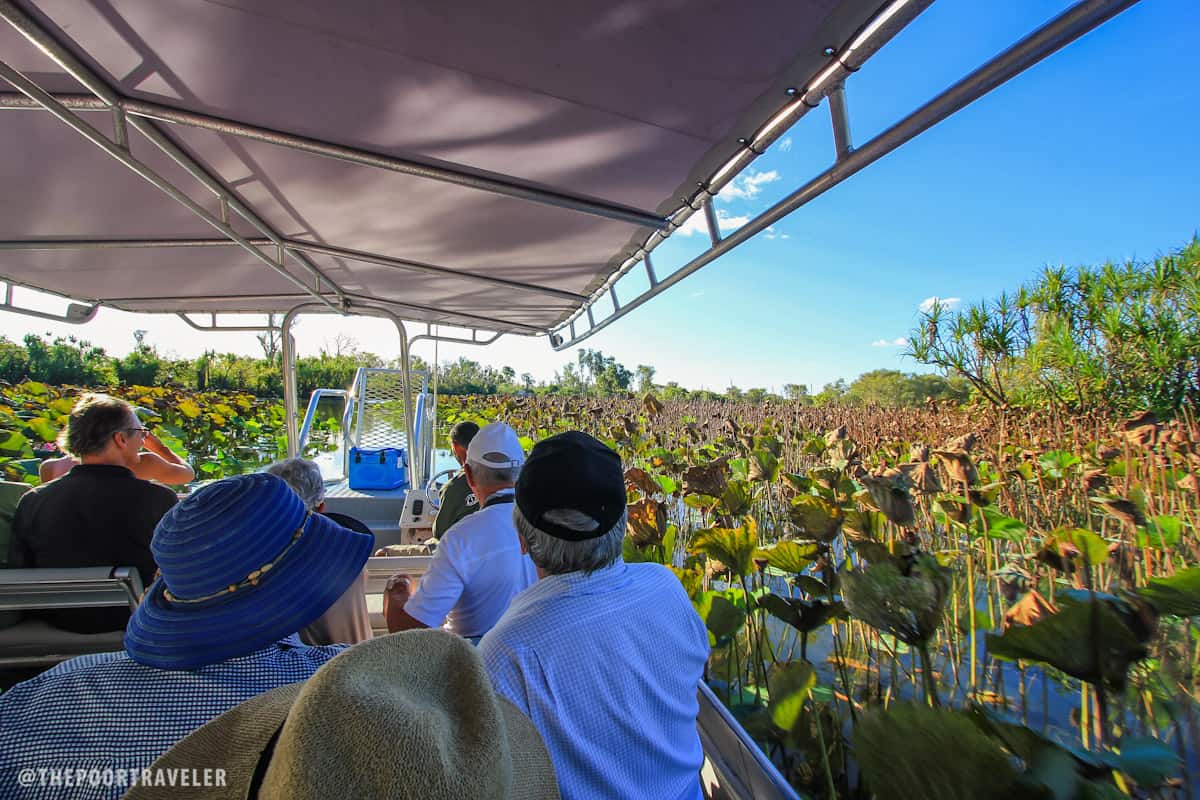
[(36, 643)]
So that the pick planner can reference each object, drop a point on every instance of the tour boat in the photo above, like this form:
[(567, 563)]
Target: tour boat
[(467, 171)]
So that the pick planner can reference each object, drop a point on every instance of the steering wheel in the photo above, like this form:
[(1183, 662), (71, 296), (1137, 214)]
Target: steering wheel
[(433, 489)]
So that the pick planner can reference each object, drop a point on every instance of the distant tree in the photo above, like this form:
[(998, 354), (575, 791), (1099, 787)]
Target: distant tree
[(14, 361), (756, 395), (832, 394), (271, 340), (142, 366), (733, 393), (796, 391), (68, 360), (645, 377), (1114, 338)]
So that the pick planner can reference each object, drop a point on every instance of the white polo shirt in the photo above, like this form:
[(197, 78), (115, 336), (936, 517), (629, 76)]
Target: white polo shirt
[(476, 572)]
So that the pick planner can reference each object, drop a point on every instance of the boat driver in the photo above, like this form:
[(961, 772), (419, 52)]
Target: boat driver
[(478, 567)]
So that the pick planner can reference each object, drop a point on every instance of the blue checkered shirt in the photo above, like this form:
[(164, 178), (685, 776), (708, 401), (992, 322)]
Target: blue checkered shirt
[(106, 711), (607, 666)]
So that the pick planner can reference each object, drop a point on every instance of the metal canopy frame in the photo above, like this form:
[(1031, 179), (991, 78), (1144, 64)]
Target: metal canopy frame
[(289, 257)]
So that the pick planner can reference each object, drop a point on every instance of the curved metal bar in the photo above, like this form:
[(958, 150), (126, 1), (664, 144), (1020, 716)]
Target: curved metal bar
[(215, 328), (429, 337), (291, 404)]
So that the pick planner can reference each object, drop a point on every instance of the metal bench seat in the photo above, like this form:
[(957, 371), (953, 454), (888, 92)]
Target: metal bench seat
[(36, 643)]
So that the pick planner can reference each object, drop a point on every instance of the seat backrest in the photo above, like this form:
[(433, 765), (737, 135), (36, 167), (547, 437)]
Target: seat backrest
[(74, 587), (380, 568)]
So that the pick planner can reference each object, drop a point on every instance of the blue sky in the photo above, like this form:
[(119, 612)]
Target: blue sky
[(1088, 156)]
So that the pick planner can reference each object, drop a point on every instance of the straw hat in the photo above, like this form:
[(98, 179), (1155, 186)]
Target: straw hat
[(411, 715), (243, 564)]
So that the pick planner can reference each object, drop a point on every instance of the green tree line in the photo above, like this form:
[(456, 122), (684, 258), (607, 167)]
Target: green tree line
[(73, 361)]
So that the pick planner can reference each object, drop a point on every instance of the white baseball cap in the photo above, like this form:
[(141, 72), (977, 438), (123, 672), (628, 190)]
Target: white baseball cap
[(496, 446)]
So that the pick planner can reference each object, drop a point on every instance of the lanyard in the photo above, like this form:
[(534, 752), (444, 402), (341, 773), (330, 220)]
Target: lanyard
[(497, 499)]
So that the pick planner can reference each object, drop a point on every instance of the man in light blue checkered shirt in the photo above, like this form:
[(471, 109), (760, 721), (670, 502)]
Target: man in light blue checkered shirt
[(603, 656), (244, 565)]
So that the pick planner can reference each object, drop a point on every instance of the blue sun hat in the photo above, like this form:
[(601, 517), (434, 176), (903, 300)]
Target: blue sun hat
[(242, 565)]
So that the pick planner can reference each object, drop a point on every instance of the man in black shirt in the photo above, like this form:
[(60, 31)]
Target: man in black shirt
[(457, 498), (98, 514)]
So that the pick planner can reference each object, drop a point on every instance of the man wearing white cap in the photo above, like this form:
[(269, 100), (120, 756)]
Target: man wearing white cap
[(478, 567)]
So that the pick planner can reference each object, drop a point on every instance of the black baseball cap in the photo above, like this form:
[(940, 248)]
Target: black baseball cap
[(572, 471)]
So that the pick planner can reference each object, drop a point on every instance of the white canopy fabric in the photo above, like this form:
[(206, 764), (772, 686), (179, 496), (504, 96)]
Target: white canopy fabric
[(606, 113)]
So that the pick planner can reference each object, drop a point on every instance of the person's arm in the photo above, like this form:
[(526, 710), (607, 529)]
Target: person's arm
[(395, 597), (52, 468), (435, 596), (159, 463)]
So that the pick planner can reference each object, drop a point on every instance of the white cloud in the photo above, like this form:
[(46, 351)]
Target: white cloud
[(899, 341), (785, 145), (746, 187), (771, 233), (725, 222), (949, 303)]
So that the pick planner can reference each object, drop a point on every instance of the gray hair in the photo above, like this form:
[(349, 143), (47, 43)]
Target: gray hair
[(556, 556), (492, 477), (304, 477)]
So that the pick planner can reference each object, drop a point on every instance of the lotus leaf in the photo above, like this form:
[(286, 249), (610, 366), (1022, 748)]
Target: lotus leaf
[(1160, 533), (803, 615), (791, 683), (1178, 594), (707, 479), (763, 466), (905, 605), (815, 519), (1071, 541), (646, 521), (720, 615), (738, 498), (1087, 640), (911, 751), (1000, 526), (790, 557), (733, 547), (889, 491)]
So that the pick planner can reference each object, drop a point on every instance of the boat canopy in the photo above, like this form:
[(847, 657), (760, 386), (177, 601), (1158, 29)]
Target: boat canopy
[(492, 166)]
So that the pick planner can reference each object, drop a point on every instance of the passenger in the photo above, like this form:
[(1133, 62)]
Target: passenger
[(244, 566), (478, 567), (156, 462), (97, 515), (605, 657), (347, 621), (405, 716), (457, 498)]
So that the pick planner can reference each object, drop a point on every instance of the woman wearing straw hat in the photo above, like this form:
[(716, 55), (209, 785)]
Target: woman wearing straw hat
[(243, 566)]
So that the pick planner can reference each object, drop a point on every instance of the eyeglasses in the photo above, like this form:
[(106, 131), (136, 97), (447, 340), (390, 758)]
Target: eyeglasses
[(143, 431)]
